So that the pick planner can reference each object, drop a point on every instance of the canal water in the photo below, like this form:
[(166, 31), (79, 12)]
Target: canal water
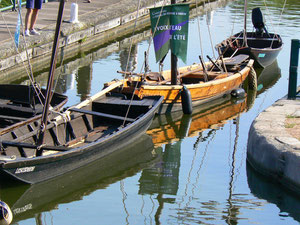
[(186, 169)]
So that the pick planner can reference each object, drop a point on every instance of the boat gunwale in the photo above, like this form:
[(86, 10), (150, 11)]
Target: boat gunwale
[(234, 76)]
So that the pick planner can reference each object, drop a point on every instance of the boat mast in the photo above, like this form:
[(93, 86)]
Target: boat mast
[(245, 24), (40, 139), (173, 60)]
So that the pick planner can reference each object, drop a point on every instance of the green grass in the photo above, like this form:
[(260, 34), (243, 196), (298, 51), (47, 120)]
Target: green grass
[(290, 116), (290, 125), (5, 3)]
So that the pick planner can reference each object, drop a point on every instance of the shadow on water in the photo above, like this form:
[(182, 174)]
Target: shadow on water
[(267, 77), (28, 201), (264, 188)]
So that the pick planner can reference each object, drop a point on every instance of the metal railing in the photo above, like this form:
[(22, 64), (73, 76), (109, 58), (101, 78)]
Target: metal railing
[(14, 5), (292, 92)]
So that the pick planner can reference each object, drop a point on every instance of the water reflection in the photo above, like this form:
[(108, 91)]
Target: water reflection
[(174, 127), (168, 132), (84, 79), (263, 188), (193, 194), (32, 201), (267, 77)]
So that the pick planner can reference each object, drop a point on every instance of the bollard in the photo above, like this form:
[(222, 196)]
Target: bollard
[(74, 13), (293, 69)]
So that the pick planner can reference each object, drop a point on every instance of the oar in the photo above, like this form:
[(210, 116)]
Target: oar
[(99, 94), (216, 65)]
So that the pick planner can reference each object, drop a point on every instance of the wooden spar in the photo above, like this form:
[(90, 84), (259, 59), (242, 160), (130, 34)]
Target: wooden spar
[(245, 24), (28, 145), (173, 61), (40, 139), (130, 73), (182, 75)]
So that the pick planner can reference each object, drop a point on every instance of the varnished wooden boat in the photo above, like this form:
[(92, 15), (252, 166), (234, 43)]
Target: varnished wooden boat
[(203, 86), (186, 87), (19, 103)]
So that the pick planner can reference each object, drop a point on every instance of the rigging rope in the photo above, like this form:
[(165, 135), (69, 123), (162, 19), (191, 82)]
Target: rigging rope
[(209, 30), (147, 53), (199, 30), (280, 17), (268, 14), (135, 23), (29, 73)]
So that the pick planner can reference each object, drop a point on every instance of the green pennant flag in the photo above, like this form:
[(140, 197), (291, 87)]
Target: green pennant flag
[(170, 28)]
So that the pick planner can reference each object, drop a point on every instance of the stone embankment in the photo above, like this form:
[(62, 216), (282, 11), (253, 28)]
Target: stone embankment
[(272, 150), (100, 23)]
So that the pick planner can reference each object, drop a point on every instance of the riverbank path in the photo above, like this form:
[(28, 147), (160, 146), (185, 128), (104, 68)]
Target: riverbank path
[(48, 15)]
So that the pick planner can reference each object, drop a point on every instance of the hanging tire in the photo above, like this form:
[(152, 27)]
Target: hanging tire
[(252, 79)]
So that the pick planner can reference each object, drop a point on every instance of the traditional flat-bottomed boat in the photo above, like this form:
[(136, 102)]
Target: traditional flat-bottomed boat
[(80, 135), (47, 147)]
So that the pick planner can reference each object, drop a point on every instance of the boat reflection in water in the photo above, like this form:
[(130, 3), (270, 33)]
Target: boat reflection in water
[(168, 132), (267, 77), (272, 192), (175, 126), (31, 201)]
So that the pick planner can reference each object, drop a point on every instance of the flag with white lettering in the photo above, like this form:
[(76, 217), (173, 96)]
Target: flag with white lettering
[(170, 28)]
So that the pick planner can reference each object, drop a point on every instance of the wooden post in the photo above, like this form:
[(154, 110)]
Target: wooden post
[(295, 46)]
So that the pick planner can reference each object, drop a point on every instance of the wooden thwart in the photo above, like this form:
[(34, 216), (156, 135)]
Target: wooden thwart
[(101, 114)]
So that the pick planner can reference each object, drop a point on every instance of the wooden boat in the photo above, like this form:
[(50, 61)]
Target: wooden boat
[(203, 86), (20, 103), (44, 148), (260, 45), (189, 86), (79, 136)]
